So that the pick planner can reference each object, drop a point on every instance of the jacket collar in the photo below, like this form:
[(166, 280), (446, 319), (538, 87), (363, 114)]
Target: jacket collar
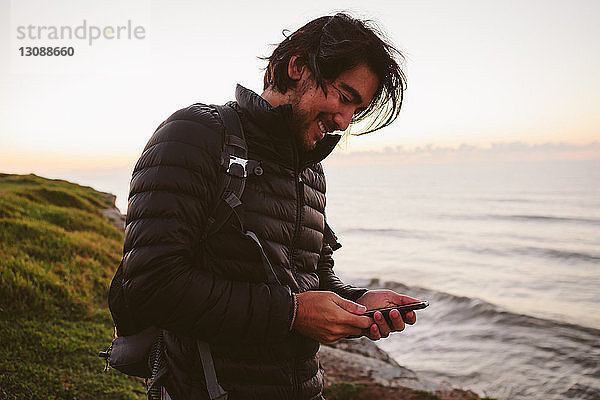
[(275, 122)]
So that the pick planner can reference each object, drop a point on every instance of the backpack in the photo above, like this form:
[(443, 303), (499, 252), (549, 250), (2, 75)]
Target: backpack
[(142, 354)]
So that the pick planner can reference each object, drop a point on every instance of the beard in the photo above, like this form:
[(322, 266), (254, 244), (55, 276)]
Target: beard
[(301, 120), (299, 128)]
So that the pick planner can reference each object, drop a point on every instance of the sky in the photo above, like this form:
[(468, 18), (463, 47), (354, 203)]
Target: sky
[(481, 74)]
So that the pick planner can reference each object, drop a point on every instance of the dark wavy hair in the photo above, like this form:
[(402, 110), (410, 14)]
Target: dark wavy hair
[(331, 45)]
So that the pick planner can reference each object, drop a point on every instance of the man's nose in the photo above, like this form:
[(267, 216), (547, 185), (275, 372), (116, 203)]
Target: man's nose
[(343, 118)]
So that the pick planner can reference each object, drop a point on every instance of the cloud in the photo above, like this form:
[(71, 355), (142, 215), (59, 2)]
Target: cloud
[(466, 153)]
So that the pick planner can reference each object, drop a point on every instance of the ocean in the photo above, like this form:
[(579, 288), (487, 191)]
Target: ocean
[(508, 254)]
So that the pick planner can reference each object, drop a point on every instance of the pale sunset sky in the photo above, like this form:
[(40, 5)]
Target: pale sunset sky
[(480, 73)]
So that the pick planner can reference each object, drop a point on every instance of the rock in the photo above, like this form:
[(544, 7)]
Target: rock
[(113, 214), (364, 347), (115, 217), (361, 361)]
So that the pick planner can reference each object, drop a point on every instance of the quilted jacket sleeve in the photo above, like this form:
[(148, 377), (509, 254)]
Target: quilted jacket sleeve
[(328, 280), (173, 186)]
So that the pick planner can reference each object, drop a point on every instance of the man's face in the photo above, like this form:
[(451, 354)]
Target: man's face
[(315, 114)]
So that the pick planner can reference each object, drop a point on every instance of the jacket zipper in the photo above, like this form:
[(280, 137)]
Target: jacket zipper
[(293, 250), (294, 380), (299, 201)]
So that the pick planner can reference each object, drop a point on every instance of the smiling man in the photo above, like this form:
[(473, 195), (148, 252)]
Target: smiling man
[(243, 307)]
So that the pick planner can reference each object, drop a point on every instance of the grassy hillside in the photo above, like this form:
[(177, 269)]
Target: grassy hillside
[(57, 256)]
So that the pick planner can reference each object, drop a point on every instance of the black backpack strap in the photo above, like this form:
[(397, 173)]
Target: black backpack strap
[(236, 168), (215, 391)]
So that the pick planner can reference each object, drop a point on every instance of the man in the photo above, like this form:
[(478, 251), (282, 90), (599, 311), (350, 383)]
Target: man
[(261, 291)]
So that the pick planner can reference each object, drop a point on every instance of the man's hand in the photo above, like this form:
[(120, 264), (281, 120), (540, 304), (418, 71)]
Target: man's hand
[(326, 317), (386, 298)]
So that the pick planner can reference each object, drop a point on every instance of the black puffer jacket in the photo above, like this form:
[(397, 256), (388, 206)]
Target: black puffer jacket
[(217, 290)]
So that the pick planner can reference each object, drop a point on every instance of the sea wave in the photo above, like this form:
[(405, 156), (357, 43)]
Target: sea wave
[(521, 217), (548, 218), (393, 232), (542, 252), (508, 200), (473, 343), (472, 308)]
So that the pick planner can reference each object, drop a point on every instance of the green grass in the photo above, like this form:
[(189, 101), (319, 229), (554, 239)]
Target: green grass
[(359, 391), (424, 394), (57, 256), (346, 391)]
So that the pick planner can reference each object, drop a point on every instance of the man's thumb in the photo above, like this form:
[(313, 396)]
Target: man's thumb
[(351, 306)]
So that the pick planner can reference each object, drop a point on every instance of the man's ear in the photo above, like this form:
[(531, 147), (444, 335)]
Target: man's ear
[(296, 68)]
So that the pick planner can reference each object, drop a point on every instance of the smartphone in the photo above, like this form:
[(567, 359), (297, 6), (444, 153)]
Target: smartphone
[(417, 305)]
